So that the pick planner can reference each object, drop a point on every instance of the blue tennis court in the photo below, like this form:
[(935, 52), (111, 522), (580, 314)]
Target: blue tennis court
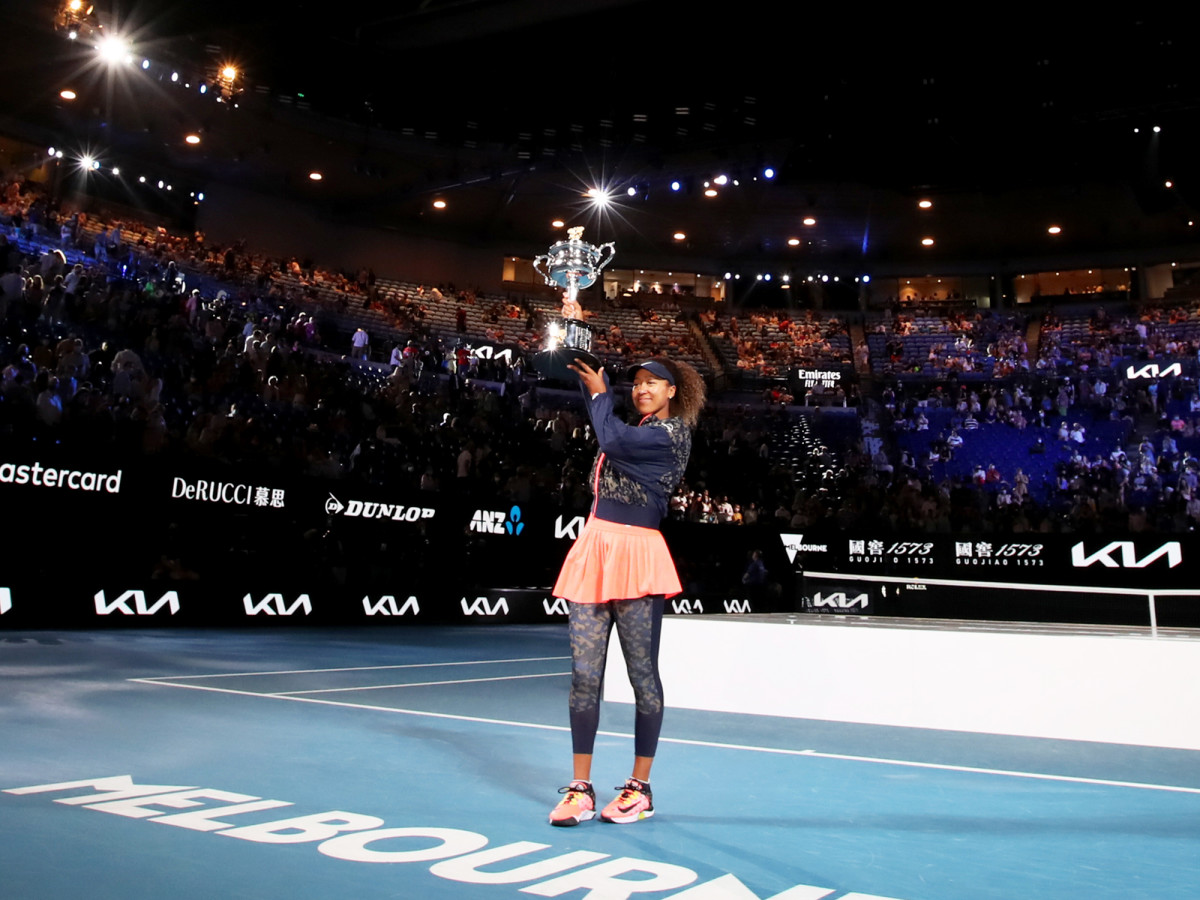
[(422, 762)]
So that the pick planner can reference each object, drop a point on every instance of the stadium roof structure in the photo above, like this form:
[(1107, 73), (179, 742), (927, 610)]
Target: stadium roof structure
[(508, 111)]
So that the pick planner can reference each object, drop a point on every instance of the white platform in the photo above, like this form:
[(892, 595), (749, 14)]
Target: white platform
[(1077, 683)]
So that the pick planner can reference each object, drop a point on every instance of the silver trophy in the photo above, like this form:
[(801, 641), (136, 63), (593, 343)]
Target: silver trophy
[(572, 264)]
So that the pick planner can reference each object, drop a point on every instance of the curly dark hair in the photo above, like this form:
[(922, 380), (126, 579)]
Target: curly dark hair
[(689, 391)]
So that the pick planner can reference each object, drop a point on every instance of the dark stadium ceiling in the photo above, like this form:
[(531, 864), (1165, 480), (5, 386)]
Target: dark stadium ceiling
[(509, 109)]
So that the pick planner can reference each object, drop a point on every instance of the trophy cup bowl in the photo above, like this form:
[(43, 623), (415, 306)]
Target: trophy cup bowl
[(572, 264)]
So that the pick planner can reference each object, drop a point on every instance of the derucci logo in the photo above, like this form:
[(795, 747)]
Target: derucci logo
[(369, 510), (72, 479), (209, 491), (453, 854)]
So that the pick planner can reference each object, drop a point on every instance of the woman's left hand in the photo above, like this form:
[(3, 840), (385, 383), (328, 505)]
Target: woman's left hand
[(593, 381)]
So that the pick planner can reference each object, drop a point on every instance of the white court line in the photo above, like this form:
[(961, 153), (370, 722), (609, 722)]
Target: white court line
[(473, 662), (715, 744), (380, 687)]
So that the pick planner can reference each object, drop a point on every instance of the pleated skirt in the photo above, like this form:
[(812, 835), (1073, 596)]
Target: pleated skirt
[(611, 561)]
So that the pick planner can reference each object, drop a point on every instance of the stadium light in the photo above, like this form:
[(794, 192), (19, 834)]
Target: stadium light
[(114, 50)]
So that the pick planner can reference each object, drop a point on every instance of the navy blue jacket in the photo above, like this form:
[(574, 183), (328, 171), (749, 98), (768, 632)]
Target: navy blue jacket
[(639, 465)]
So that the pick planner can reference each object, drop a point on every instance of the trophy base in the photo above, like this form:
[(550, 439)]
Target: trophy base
[(553, 363)]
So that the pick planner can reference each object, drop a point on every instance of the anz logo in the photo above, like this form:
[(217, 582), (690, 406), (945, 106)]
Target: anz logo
[(386, 606), (556, 608), (140, 608), (273, 605), (481, 607), (686, 607), (498, 522), (1128, 556)]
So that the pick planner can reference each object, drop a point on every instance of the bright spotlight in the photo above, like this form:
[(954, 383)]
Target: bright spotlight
[(675, 186), (50, 152), (711, 192), (229, 73), (925, 204), (315, 176), (116, 170), (768, 172), (721, 180), (809, 220), (145, 63), (793, 242), (68, 94), (927, 242), (141, 179), (557, 223), (680, 236), (86, 162), (1157, 129), (599, 197), (439, 204), (631, 191), (200, 196), (192, 139), (114, 50), (175, 77), (866, 279), (1054, 229), (204, 88)]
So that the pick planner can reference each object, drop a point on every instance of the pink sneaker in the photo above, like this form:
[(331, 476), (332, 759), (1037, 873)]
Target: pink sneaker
[(634, 802), (578, 806)]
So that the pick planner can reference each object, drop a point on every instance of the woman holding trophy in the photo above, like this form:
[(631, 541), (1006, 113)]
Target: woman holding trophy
[(620, 572)]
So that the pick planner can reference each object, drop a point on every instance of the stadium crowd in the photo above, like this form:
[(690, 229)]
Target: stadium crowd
[(120, 339)]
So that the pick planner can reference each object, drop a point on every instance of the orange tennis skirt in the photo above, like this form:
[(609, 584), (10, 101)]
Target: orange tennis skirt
[(611, 561)]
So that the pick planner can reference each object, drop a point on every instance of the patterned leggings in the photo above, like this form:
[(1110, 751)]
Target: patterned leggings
[(639, 625)]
